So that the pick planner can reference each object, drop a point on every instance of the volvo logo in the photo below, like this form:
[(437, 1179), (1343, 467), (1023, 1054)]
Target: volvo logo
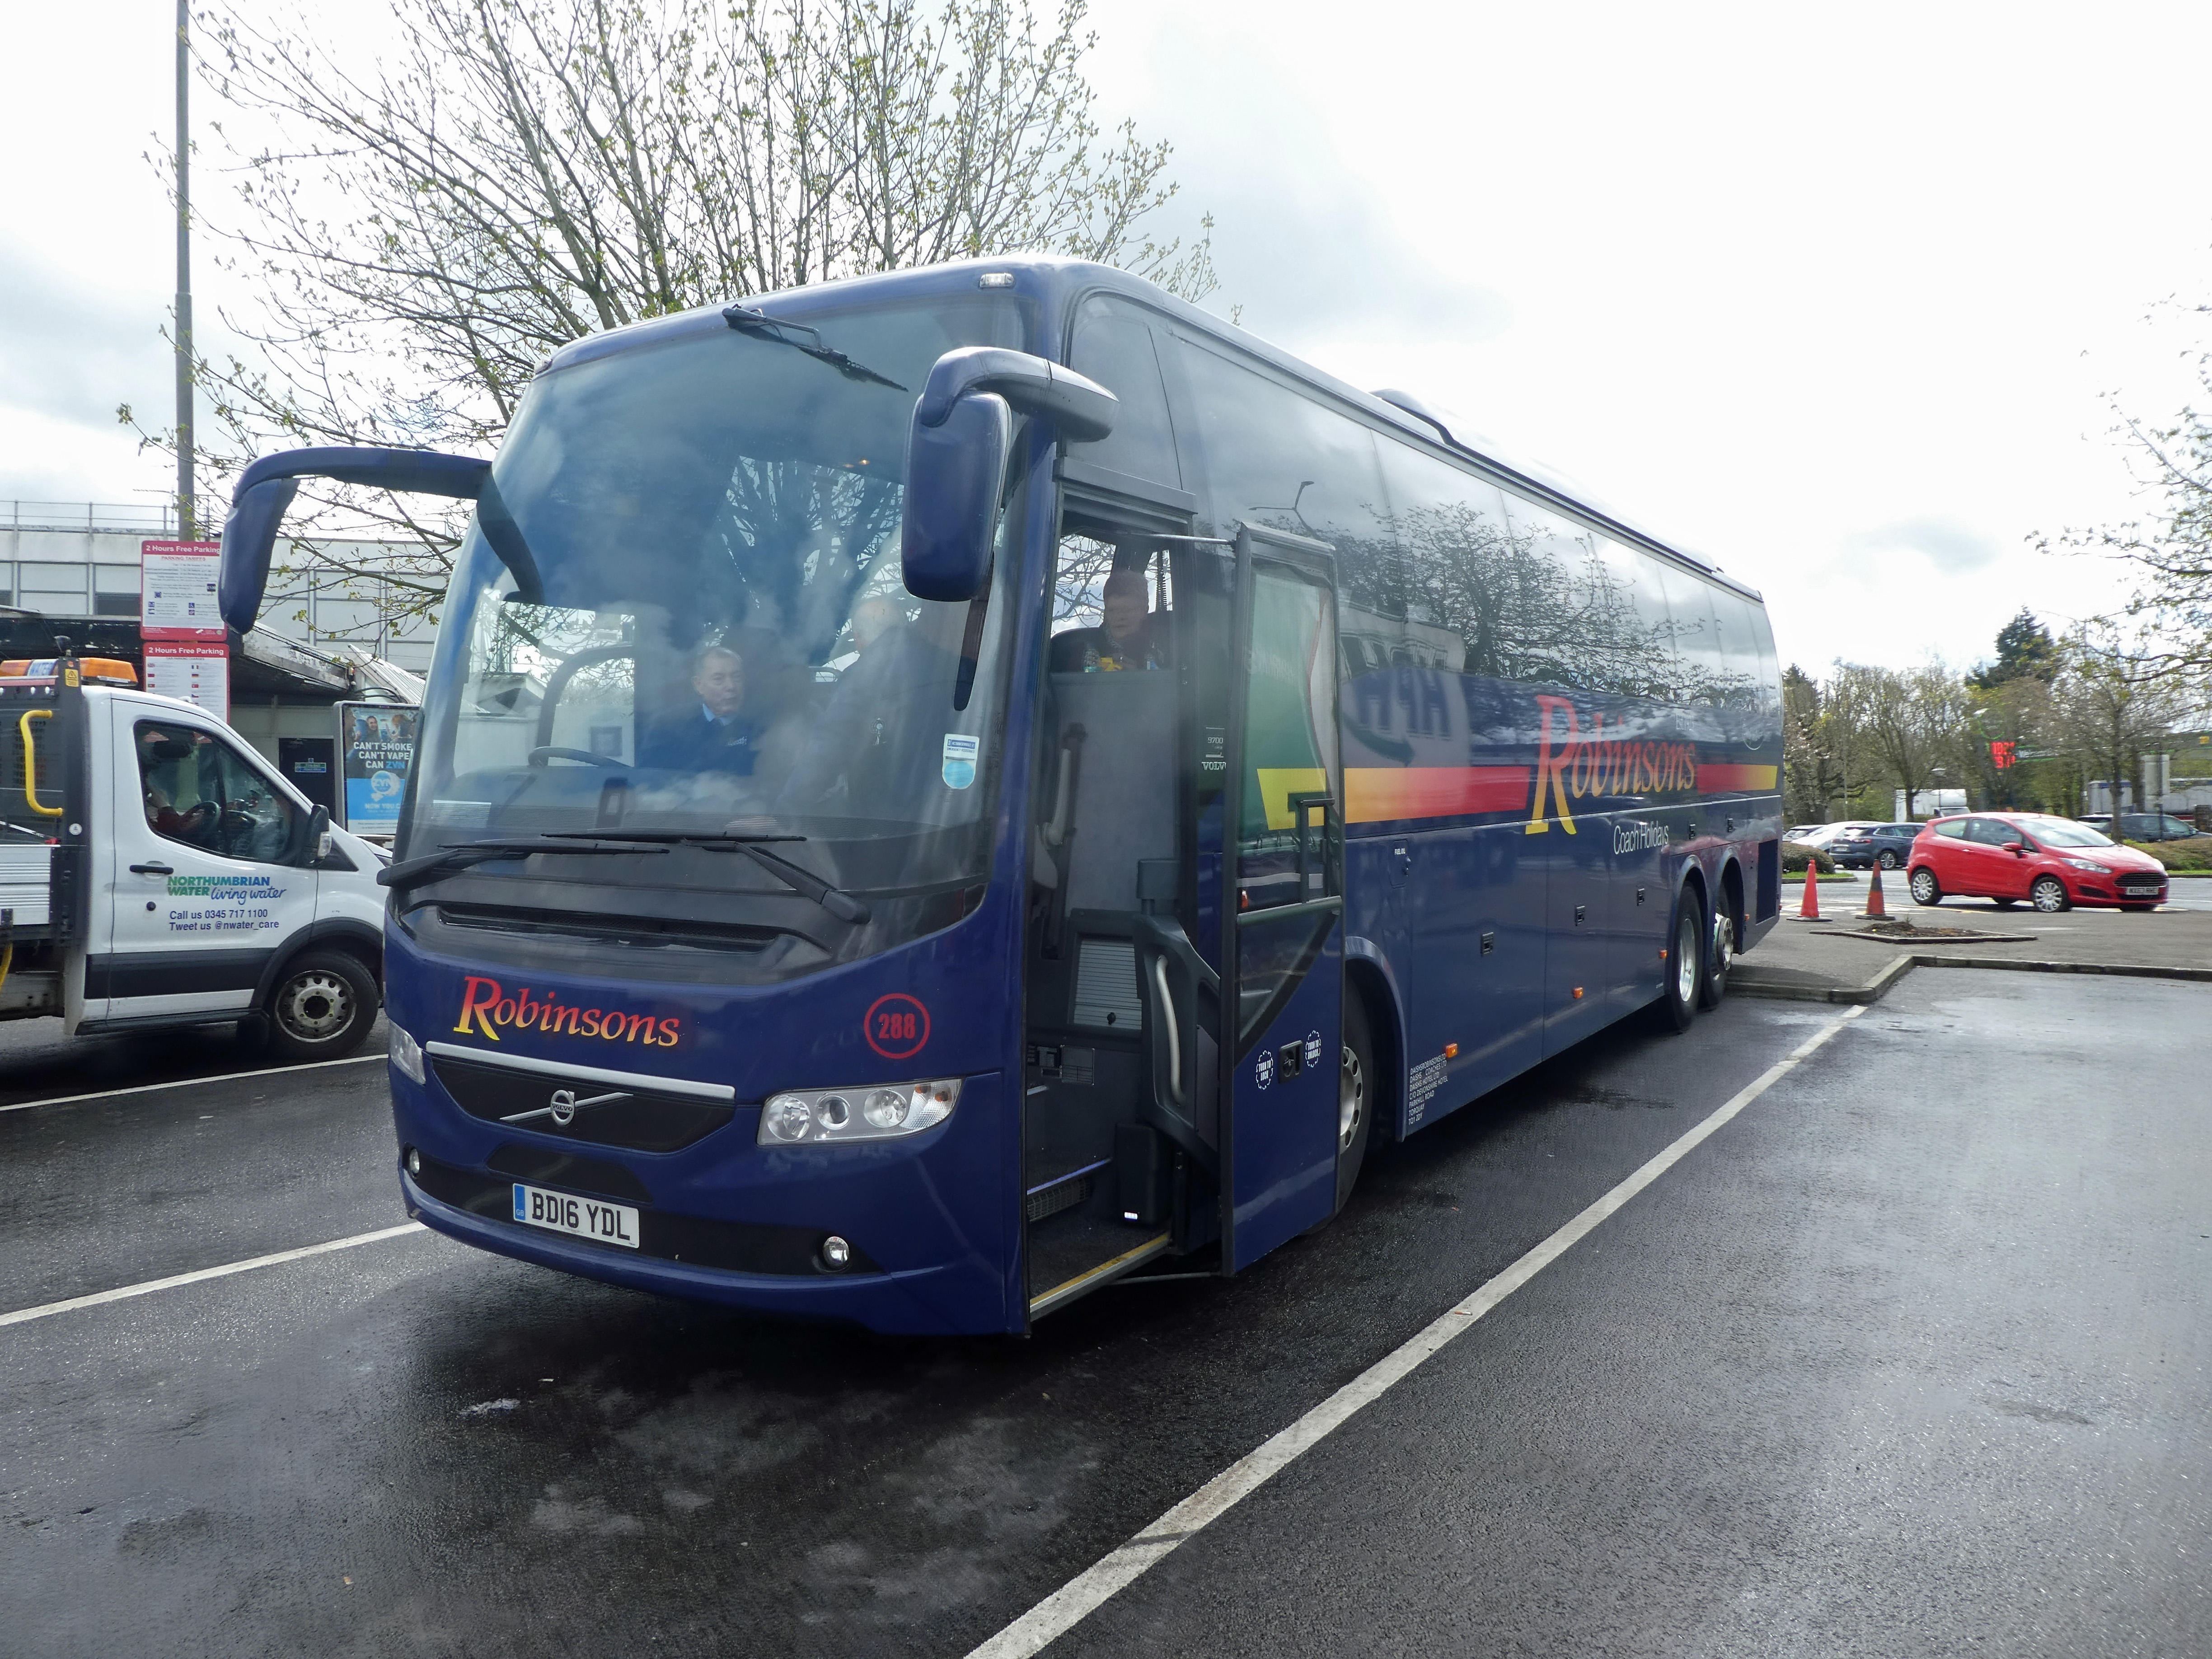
[(563, 1107)]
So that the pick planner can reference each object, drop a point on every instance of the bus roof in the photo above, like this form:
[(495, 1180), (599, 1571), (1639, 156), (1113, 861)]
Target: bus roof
[(1057, 283)]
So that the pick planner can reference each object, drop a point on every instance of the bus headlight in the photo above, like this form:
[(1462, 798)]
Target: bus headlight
[(406, 1053), (885, 1109)]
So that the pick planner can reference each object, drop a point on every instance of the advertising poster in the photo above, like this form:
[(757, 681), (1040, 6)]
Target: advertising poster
[(177, 584), (198, 670), (376, 747)]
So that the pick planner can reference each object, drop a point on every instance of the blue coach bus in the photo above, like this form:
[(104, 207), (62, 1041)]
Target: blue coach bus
[(941, 790)]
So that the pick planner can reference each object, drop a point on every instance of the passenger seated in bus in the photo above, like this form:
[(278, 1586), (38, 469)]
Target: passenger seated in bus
[(882, 733), (1132, 637), (714, 735)]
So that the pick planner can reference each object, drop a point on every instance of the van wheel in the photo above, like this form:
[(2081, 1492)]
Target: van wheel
[(323, 1007), (1720, 956), (1686, 964), (1926, 889)]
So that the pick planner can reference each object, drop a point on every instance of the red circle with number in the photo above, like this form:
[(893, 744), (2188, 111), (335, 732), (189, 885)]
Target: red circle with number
[(895, 1026)]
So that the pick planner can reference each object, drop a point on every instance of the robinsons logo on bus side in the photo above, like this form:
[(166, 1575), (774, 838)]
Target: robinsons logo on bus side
[(1570, 765), (486, 1008)]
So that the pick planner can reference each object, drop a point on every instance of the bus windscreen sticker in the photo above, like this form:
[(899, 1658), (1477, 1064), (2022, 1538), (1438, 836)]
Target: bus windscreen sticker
[(960, 752)]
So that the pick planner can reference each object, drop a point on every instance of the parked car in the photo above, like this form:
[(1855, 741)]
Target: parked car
[(2052, 863), (1820, 834), (2146, 826), (1886, 845)]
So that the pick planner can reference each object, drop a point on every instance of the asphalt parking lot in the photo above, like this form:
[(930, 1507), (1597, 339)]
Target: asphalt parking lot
[(1911, 1356)]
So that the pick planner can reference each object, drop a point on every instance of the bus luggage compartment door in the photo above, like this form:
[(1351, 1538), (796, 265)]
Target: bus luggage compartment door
[(1284, 948)]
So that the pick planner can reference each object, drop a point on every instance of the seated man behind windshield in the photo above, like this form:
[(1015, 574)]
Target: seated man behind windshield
[(714, 735), (1132, 638), (882, 736)]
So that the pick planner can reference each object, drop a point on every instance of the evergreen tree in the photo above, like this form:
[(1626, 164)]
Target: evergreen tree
[(2024, 650)]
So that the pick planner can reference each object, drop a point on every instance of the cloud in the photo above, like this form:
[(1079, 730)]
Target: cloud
[(1950, 547), (70, 351), (1305, 245)]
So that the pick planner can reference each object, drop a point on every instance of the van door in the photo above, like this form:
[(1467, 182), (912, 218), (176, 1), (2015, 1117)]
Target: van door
[(206, 870), (1283, 945)]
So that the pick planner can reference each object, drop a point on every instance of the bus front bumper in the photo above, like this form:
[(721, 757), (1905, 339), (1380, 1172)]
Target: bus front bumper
[(935, 1300)]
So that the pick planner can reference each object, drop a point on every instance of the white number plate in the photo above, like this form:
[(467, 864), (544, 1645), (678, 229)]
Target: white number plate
[(584, 1217)]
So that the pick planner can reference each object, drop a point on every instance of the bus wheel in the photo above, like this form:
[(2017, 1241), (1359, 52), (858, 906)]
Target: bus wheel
[(1720, 956), (1355, 1098), (323, 1007), (1686, 963)]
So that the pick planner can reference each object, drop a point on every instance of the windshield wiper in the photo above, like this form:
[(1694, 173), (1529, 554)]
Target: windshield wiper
[(410, 872), (838, 902), (751, 319)]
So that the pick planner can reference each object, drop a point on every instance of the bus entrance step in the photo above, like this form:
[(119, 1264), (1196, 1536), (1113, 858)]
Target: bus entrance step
[(1062, 1195)]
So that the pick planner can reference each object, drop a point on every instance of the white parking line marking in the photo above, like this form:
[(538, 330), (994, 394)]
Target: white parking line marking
[(186, 1082), (23, 1315), (1068, 1605)]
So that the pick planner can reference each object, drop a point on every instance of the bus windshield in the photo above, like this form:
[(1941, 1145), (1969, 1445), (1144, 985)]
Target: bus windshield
[(719, 645)]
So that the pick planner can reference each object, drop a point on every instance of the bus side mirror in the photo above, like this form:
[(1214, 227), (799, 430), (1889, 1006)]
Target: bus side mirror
[(955, 474), (956, 457), (266, 487)]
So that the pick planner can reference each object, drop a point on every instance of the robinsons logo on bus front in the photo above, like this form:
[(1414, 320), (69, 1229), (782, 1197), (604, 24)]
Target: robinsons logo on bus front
[(486, 1008)]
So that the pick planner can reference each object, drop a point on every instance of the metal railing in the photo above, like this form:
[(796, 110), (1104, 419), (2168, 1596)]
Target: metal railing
[(121, 517)]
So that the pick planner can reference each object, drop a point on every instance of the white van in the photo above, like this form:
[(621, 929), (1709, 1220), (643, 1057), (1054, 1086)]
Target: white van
[(156, 871)]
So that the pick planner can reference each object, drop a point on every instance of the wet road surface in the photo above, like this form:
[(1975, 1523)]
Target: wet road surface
[(37, 1062), (1910, 1357)]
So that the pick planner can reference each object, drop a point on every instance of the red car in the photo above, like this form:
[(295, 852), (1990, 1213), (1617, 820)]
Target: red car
[(2052, 863)]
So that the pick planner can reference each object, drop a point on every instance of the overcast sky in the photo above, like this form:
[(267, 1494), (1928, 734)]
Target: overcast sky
[(1842, 300)]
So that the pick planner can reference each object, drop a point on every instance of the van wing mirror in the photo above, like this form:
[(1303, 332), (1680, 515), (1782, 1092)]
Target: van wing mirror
[(265, 490), (319, 834), (956, 457)]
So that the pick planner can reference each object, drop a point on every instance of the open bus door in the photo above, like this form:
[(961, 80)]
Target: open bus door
[(1282, 906), (1169, 976)]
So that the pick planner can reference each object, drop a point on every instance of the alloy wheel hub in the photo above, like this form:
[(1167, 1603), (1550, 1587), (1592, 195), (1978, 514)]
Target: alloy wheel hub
[(1350, 1099)]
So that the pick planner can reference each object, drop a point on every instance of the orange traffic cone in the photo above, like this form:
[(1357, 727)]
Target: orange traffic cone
[(1876, 911), (1810, 909)]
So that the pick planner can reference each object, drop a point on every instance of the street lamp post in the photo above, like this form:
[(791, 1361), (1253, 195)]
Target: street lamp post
[(186, 525)]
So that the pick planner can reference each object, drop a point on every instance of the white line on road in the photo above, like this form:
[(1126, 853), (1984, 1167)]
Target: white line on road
[(186, 1082), (23, 1315), (1073, 1600)]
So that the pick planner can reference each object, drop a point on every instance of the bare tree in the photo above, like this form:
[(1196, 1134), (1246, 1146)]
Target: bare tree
[(428, 228), (2170, 550), (1915, 723), (1810, 776), (2115, 699)]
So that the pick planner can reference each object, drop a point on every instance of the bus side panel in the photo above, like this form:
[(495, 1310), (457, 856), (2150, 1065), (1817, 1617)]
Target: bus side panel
[(1478, 1012)]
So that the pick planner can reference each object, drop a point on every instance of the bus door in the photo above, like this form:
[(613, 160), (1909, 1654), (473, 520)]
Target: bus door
[(1116, 1143), (1282, 903)]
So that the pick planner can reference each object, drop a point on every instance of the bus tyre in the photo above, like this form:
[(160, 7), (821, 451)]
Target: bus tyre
[(1356, 1096), (1720, 956), (1686, 963), (322, 1008)]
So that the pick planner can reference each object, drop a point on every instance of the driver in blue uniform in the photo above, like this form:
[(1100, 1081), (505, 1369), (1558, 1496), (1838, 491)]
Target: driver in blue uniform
[(715, 737)]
